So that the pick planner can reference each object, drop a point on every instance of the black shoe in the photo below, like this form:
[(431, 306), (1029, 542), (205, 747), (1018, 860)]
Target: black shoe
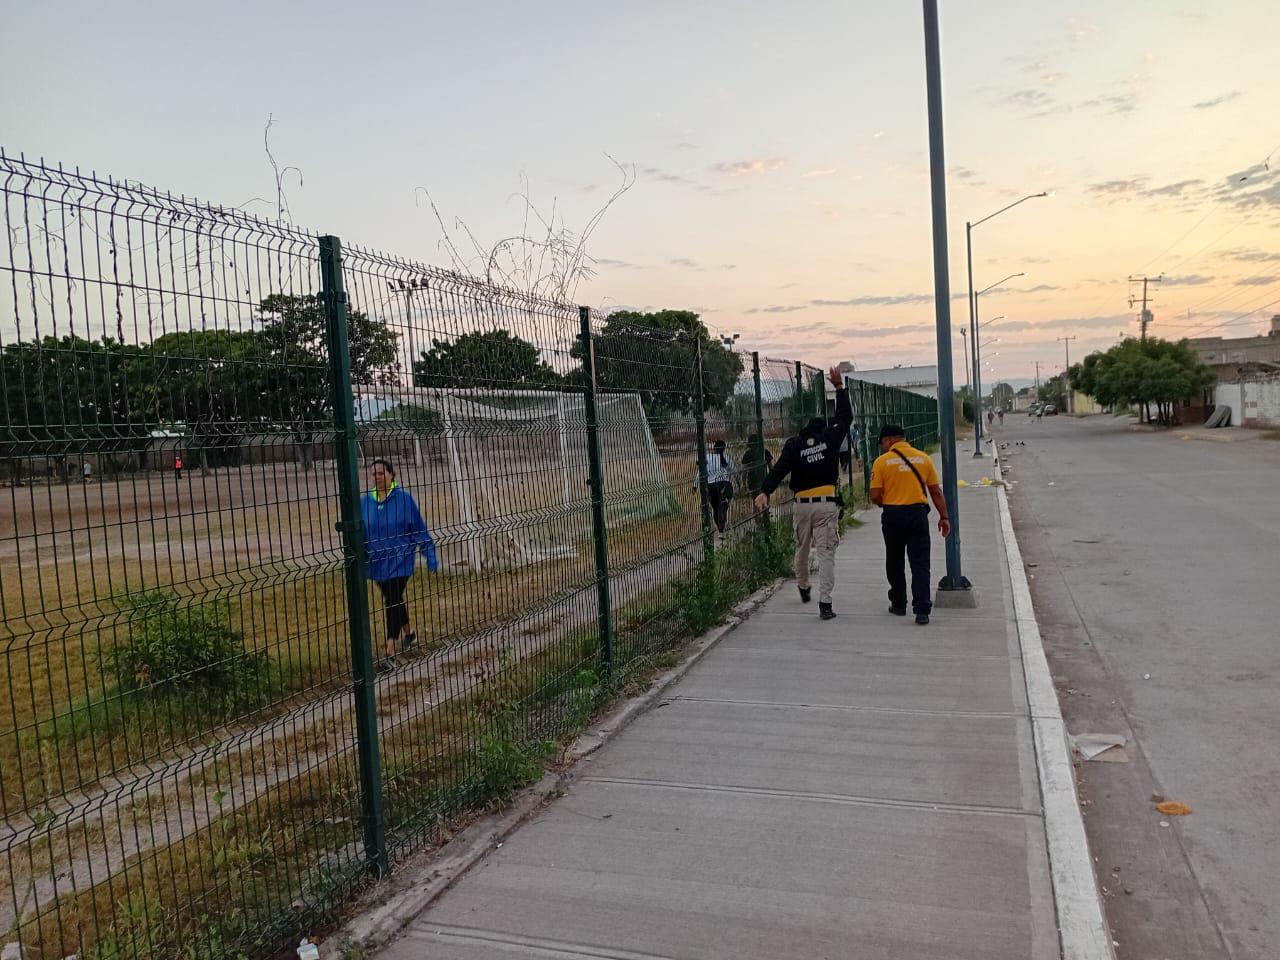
[(922, 619), (385, 665), (408, 641), (805, 594), (825, 611), (898, 611)]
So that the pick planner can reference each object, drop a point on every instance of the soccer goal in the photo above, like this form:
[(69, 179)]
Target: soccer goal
[(504, 474)]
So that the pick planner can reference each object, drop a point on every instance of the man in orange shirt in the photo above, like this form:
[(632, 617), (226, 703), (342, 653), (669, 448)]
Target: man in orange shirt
[(903, 480)]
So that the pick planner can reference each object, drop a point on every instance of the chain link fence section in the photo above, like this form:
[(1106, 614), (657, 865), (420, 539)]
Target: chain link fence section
[(236, 690)]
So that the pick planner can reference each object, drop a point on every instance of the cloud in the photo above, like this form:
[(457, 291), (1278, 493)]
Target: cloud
[(728, 266), (1190, 280), (878, 135), (683, 146), (820, 172), (1247, 255), (684, 262), (743, 168), (893, 300), (1116, 187), (1072, 323), (1172, 189), (777, 309), (665, 176), (1112, 103), (906, 328), (1029, 99), (1256, 281), (618, 264), (963, 173), (1217, 101), (1034, 260)]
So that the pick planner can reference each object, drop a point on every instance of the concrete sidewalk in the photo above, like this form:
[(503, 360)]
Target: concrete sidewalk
[(859, 788)]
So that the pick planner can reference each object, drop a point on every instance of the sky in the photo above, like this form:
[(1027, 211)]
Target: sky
[(780, 151)]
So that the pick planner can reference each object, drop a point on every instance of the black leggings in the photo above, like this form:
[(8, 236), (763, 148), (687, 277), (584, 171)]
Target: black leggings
[(393, 601), (719, 495)]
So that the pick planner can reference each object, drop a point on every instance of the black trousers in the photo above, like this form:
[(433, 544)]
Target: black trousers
[(394, 605), (719, 495), (906, 529)]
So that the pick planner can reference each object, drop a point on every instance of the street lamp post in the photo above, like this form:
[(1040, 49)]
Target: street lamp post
[(953, 589), (973, 300), (977, 345)]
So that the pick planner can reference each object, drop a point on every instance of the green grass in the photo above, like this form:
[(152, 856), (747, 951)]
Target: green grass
[(243, 886)]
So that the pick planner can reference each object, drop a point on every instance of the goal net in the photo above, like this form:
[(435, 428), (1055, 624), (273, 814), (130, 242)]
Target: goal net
[(502, 476)]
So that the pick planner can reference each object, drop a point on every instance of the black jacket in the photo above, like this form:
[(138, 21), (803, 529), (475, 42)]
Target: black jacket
[(813, 457)]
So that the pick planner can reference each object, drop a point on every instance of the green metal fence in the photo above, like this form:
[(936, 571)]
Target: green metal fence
[(228, 711), (875, 405)]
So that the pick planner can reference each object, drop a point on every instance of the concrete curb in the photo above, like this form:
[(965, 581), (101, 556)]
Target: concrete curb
[(417, 883), (1082, 925)]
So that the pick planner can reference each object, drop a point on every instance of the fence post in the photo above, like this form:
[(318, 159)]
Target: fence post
[(700, 421), (595, 478), (864, 435), (801, 419), (755, 376), (364, 686)]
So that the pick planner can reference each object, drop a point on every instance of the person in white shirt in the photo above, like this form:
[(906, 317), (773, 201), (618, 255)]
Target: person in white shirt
[(719, 484)]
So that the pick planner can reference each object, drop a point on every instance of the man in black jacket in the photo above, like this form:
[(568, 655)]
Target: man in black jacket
[(812, 458)]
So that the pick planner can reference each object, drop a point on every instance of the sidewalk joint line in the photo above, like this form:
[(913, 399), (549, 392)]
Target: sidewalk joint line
[(912, 711), (941, 806), (542, 946)]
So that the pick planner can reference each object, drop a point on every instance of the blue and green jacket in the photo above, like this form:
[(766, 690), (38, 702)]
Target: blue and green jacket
[(394, 533)]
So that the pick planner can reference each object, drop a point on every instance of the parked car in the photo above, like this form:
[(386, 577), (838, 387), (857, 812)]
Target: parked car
[(1050, 410), (1033, 410)]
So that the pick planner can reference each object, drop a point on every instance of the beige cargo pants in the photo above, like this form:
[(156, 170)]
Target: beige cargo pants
[(817, 527)]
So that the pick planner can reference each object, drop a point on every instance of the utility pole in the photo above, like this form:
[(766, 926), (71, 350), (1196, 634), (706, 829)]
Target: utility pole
[(954, 589), (1037, 379), (1144, 318), (964, 336), (1066, 374)]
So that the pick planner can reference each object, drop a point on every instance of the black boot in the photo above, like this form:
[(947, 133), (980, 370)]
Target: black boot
[(805, 594), (825, 611)]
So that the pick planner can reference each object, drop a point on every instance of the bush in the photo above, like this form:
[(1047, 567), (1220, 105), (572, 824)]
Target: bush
[(177, 646)]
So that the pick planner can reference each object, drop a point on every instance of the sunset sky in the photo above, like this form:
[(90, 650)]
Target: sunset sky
[(780, 149)]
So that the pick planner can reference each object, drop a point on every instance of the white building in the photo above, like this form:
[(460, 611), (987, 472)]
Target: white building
[(921, 380)]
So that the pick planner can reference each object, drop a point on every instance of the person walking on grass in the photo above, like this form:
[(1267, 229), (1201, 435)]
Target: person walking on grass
[(903, 480), (394, 535), (719, 486), (812, 459)]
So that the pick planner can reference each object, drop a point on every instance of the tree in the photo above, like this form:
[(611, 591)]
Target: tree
[(494, 358), (296, 388), (655, 356), (1143, 372), (964, 403), (1054, 390)]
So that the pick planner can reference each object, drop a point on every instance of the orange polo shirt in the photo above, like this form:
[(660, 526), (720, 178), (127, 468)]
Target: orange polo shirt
[(895, 478)]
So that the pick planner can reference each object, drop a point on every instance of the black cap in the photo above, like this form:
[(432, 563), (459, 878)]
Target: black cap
[(891, 430)]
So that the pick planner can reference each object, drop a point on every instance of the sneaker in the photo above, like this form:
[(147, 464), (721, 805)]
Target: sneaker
[(806, 594), (408, 641), (385, 665), (898, 611), (825, 611), (922, 619)]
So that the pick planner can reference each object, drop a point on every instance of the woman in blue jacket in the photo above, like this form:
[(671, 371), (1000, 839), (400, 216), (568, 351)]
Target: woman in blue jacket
[(394, 534)]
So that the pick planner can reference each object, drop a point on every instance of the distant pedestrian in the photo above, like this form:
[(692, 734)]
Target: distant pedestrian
[(719, 485), (903, 480), (177, 467), (990, 417), (1001, 415), (812, 459), (394, 535), (1040, 412), (86, 471)]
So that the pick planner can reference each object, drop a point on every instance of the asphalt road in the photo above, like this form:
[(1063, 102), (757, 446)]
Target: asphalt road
[(1157, 586)]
